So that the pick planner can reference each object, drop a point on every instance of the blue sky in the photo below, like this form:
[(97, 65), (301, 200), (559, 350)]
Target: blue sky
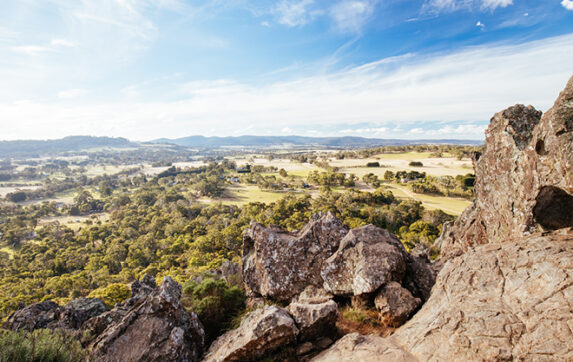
[(145, 69)]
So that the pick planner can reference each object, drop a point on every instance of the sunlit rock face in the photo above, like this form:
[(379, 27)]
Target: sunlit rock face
[(524, 178), (279, 265)]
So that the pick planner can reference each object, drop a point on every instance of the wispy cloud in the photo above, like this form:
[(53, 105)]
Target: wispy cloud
[(352, 15), (460, 91), (493, 4), (567, 4), (437, 6), (295, 12)]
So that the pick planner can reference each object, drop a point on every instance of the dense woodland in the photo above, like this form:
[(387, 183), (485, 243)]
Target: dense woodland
[(157, 226)]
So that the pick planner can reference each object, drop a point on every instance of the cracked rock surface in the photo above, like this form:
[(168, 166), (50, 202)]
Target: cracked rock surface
[(507, 301), (279, 265), (156, 328)]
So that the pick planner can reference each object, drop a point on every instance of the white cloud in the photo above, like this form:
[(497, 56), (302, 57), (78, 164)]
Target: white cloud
[(63, 43), (294, 12), (265, 24), (32, 50), (437, 6), (71, 93), (463, 89), (493, 4), (351, 15), (480, 25), (368, 132), (567, 4)]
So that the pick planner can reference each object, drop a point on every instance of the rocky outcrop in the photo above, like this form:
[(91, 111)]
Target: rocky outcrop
[(524, 182), (355, 347), (505, 291), (35, 316), (261, 332), (50, 315), (156, 328), (77, 312), (395, 304), (140, 289), (368, 257), (278, 264)]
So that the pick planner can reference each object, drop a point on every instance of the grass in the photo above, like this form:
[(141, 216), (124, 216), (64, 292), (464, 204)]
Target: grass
[(363, 321), (243, 194), (75, 222), (452, 205), (445, 166)]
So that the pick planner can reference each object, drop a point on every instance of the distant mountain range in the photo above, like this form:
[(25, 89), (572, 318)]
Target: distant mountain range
[(67, 144), (300, 141), (32, 148)]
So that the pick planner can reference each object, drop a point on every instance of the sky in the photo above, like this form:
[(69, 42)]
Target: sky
[(147, 69)]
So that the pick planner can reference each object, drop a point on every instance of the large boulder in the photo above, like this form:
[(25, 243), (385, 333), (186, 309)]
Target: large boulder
[(524, 182), (260, 333), (278, 264), (355, 347), (156, 328), (368, 257)]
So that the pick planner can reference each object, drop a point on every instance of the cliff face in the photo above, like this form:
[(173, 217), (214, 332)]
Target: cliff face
[(524, 178)]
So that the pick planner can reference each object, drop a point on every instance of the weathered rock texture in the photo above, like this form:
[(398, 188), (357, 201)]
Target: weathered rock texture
[(502, 301), (524, 182), (279, 265), (50, 315), (395, 304), (368, 257), (358, 348), (156, 328), (140, 289), (261, 332), (314, 320)]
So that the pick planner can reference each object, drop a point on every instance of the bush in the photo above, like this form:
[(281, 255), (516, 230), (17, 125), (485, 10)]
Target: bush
[(416, 164), (373, 164), (41, 345), (112, 294), (215, 303)]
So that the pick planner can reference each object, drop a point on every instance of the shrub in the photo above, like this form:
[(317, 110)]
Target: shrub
[(112, 294), (41, 345), (416, 164), (373, 164), (215, 303)]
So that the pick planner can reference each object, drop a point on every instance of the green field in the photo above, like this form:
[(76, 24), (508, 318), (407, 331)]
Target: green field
[(451, 205), (243, 194), (443, 166)]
